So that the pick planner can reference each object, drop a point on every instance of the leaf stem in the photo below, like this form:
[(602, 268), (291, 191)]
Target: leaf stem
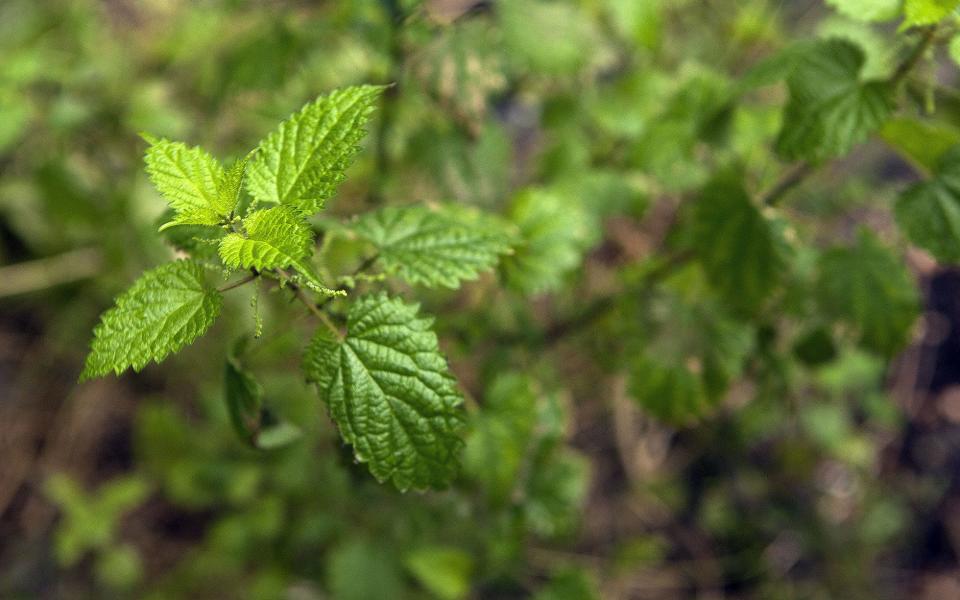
[(790, 180)]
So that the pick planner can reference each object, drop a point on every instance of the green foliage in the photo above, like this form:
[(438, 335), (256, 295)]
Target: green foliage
[(742, 252), (434, 247), (304, 160), (445, 572), (929, 212), (390, 392), (868, 10), (866, 286), (190, 179), (926, 12), (166, 309), (552, 232), (830, 108), (274, 238)]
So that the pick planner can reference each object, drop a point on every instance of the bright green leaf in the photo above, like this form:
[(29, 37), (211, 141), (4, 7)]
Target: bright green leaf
[(228, 189), (275, 238), (927, 12), (434, 247), (830, 109), (390, 392), (302, 162), (444, 571), (166, 309), (188, 178)]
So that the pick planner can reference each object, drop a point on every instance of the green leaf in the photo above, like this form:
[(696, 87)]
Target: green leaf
[(228, 189), (500, 437), (553, 232), (304, 160), (166, 309), (929, 212), (868, 287), (830, 109), (434, 247), (742, 253), (360, 569), (275, 238), (556, 492), (569, 584), (390, 392), (442, 570), (868, 10), (244, 397), (921, 142), (927, 12), (188, 178)]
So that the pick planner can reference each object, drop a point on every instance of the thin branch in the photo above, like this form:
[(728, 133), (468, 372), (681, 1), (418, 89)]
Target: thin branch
[(238, 283), (904, 68), (790, 180), (311, 306), (43, 273)]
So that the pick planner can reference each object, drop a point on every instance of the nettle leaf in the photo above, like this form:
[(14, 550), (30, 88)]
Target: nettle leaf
[(553, 231), (275, 238), (166, 309), (188, 178), (927, 12), (921, 142), (868, 10), (303, 161), (228, 189), (390, 392), (742, 253), (929, 212), (868, 287), (830, 109), (434, 247)]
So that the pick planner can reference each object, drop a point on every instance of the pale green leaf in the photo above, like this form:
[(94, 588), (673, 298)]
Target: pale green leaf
[(741, 251), (390, 392), (921, 142), (275, 238), (303, 161), (434, 247), (553, 231), (166, 309), (830, 109), (444, 571), (188, 178), (869, 288), (868, 10), (929, 212), (928, 12)]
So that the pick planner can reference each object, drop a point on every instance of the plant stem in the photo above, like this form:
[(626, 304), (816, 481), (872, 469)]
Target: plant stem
[(904, 68), (311, 306), (790, 180)]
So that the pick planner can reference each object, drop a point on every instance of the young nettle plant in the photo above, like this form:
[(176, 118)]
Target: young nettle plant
[(381, 374)]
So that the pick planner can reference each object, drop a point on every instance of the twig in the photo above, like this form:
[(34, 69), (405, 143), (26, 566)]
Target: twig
[(311, 306), (238, 283), (790, 180), (904, 68), (43, 273)]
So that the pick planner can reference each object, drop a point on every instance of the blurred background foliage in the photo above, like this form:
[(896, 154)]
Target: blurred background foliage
[(821, 469)]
